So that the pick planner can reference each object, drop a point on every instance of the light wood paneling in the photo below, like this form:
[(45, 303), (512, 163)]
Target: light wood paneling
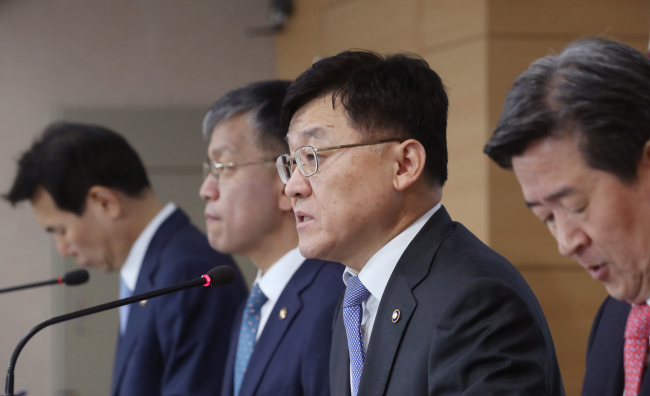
[(573, 18), (380, 25), (462, 69), (445, 21), (570, 299)]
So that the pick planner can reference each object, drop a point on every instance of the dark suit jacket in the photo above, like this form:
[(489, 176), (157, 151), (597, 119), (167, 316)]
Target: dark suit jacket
[(177, 344), (605, 375), (469, 325), (291, 357)]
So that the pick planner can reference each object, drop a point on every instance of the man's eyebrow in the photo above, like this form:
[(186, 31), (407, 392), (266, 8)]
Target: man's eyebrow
[(50, 229), (216, 152), (317, 133), (553, 197)]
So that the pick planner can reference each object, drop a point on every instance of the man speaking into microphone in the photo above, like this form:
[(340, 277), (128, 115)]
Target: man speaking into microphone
[(89, 189)]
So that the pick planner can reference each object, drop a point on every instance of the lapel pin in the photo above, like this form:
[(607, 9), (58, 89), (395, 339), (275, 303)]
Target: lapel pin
[(143, 303), (283, 313), (396, 316)]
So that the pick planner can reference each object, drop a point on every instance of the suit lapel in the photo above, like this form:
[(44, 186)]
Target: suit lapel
[(412, 267), (145, 283), (340, 357), (276, 328)]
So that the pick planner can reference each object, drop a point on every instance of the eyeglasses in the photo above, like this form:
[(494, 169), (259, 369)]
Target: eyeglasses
[(306, 158), (217, 168)]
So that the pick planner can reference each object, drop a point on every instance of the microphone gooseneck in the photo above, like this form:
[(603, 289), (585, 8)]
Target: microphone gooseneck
[(219, 276), (71, 278)]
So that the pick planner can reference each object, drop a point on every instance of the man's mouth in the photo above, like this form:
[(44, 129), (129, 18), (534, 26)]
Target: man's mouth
[(302, 217), (599, 272)]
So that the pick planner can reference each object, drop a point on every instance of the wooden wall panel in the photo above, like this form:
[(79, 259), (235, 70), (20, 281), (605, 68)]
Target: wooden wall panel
[(463, 70), (447, 21), (570, 299), (379, 25), (573, 18)]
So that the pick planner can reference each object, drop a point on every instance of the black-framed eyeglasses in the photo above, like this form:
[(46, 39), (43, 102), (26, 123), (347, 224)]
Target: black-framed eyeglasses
[(217, 168), (306, 157)]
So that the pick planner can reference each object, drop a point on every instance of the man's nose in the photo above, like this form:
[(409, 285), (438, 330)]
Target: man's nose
[(63, 247), (571, 239), (298, 185), (209, 190)]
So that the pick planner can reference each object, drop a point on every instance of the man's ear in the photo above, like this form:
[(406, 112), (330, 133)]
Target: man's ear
[(410, 158), (284, 202), (104, 201)]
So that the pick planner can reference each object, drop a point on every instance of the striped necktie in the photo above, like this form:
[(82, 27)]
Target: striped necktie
[(355, 294), (249, 324)]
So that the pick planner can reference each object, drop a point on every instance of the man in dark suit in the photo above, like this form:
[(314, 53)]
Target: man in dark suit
[(282, 335), (90, 190), (428, 308), (576, 131)]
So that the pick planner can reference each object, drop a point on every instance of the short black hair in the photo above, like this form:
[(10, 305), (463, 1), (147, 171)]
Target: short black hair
[(597, 89), (264, 100), (393, 96), (70, 158)]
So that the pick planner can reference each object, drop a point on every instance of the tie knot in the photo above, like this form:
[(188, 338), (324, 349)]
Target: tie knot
[(256, 298), (355, 292), (637, 322)]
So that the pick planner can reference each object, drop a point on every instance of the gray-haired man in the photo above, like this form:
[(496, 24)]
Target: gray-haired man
[(281, 340)]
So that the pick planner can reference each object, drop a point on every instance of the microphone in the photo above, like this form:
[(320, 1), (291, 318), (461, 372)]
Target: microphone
[(218, 276), (71, 278)]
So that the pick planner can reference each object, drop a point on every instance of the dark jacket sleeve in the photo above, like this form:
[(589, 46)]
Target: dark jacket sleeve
[(487, 342), (193, 328)]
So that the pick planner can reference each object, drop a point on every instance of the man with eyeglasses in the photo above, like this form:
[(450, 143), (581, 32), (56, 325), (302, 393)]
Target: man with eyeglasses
[(90, 190), (428, 309), (282, 336)]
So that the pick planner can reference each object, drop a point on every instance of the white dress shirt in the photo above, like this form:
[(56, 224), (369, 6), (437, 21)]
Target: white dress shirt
[(377, 271), (273, 282), (131, 268)]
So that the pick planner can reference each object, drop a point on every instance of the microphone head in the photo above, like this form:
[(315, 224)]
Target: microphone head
[(76, 277), (221, 276)]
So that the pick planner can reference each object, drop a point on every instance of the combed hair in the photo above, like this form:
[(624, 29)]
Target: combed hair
[(264, 102), (393, 96), (70, 158), (597, 89)]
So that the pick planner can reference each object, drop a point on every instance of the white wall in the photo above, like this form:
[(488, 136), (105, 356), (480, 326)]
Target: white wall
[(58, 54)]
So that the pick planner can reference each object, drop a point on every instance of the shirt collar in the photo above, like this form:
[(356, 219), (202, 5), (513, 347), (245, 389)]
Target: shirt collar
[(131, 268), (276, 278), (377, 271)]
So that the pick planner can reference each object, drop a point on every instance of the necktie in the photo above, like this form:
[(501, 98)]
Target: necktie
[(250, 323), (355, 294), (124, 310), (637, 331)]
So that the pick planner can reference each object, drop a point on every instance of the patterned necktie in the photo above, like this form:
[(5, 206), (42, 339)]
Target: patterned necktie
[(355, 294), (637, 331), (249, 324), (125, 292)]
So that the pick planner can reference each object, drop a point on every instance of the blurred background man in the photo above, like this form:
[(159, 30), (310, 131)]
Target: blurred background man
[(282, 335), (90, 190), (575, 129), (428, 308)]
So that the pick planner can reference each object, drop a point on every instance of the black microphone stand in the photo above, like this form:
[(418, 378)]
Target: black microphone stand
[(37, 284), (9, 388)]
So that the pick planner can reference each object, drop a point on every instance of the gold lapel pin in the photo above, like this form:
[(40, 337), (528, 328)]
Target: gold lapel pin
[(283, 313), (396, 316), (143, 303)]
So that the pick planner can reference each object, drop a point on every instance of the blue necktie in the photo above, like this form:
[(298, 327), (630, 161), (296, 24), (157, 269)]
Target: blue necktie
[(355, 294), (249, 324), (124, 310)]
